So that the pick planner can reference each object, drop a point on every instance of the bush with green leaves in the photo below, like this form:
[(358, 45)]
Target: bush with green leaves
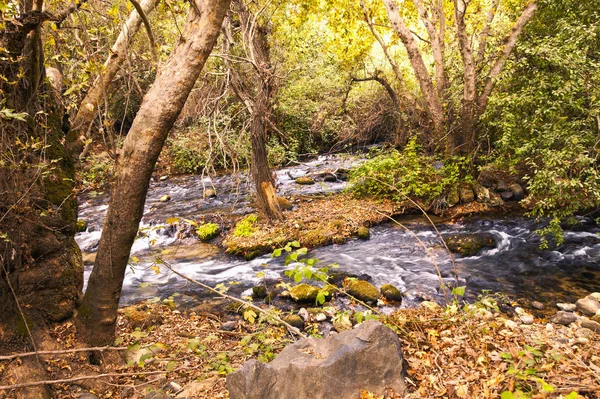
[(246, 227), (398, 175)]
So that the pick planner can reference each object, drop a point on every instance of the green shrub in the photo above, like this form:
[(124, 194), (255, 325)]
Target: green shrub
[(397, 175), (246, 227), (208, 231), (97, 170)]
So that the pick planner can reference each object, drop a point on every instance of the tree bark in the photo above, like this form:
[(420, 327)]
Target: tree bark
[(86, 114), (485, 33), (256, 90), (135, 163), (509, 44), (434, 104), (437, 46), (469, 77)]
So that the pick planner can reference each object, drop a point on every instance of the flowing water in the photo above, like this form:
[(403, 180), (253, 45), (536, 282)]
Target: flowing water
[(516, 267)]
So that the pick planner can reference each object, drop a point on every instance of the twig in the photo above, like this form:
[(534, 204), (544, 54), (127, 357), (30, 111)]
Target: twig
[(62, 352)]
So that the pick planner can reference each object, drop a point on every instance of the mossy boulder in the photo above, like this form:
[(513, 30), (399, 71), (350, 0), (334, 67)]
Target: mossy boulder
[(304, 293), (210, 193), (305, 180), (362, 290), (295, 321), (364, 233), (208, 231), (165, 198), (391, 293), (466, 194), (467, 244), (81, 225), (452, 197)]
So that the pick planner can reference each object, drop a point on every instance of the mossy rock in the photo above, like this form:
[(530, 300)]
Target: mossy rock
[(259, 292), (81, 225), (362, 290), (304, 180), (208, 231), (391, 293), (295, 321), (452, 198), (165, 198), (469, 244), (210, 193), (285, 203), (304, 293), (364, 233)]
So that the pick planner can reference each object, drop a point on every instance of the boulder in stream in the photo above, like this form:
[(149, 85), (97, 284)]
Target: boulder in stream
[(368, 358), (304, 180), (391, 293), (304, 293), (362, 290), (469, 244)]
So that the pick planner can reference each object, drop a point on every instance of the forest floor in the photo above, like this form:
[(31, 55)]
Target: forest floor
[(473, 351)]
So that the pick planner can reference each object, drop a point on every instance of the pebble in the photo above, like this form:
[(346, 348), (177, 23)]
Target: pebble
[(564, 318), (520, 311), (588, 305), (510, 324), (527, 319), (584, 333), (549, 327), (582, 341), (538, 305), (165, 198), (163, 178), (320, 317), (304, 314), (591, 325), (172, 386), (567, 307)]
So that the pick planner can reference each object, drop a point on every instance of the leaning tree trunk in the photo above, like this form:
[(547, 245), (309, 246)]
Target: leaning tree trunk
[(83, 120), (135, 163)]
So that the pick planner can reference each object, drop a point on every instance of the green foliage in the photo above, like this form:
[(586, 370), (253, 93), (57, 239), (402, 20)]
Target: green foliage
[(208, 231), (544, 119), (246, 227), (97, 170), (398, 175)]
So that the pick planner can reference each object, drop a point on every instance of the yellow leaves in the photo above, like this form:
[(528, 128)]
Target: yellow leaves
[(156, 269)]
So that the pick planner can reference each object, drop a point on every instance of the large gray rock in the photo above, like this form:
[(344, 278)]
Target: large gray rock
[(589, 306), (517, 191), (338, 367), (564, 318)]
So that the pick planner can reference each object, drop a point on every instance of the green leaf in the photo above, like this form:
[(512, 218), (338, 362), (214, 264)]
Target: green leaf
[(295, 244), (276, 253), (171, 366), (507, 395), (302, 251), (459, 291)]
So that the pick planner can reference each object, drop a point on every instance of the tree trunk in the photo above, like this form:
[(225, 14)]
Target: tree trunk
[(83, 120), (434, 104), (135, 164), (469, 78), (256, 91)]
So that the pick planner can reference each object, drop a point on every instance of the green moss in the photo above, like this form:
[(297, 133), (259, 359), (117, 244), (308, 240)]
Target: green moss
[(364, 233), (294, 321), (246, 227), (81, 225), (391, 293), (208, 231), (362, 290), (304, 293)]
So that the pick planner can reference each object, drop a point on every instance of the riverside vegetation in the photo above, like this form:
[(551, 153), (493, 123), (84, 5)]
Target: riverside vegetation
[(486, 107)]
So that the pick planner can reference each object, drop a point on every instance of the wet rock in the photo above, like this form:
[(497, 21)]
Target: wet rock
[(517, 191), (338, 277), (591, 325), (362, 290), (318, 368), (210, 193), (589, 306), (506, 195), (304, 293), (391, 293), (526, 319), (259, 292), (538, 305), (466, 194), (163, 178), (81, 226), (501, 187), (364, 233), (567, 307), (294, 321), (304, 180), (330, 178), (564, 318), (229, 325), (320, 317), (285, 203), (165, 198), (469, 244)]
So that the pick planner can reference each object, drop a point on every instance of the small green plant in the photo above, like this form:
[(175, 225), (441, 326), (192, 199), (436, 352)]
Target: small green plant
[(208, 231), (246, 227)]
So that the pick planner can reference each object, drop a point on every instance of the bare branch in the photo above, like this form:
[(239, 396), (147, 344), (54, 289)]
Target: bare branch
[(485, 33)]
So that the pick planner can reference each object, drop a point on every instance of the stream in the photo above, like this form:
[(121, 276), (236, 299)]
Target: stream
[(516, 267)]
